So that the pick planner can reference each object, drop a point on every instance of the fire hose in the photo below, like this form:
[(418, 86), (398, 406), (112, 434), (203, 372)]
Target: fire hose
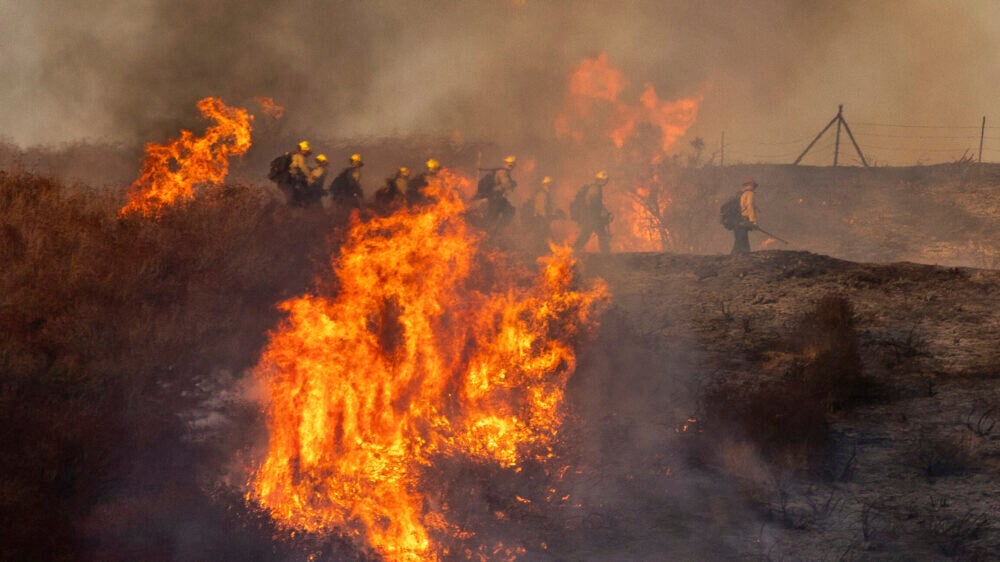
[(762, 231)]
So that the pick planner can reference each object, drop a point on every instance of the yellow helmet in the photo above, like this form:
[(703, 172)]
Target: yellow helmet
[(433, 164), (355, 159), (602, 175), (304, 146), (404, 171), (546, 180), (509, 160), (321, 159)]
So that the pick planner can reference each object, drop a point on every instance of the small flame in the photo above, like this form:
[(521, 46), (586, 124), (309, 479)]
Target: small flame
[(269, 107), (171, 170), (690, 423)]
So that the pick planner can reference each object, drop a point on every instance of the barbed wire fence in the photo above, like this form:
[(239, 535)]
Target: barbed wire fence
[(899, 143)]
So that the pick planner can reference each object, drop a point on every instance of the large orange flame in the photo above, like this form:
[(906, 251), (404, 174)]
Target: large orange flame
[(408, 363), (597, 117), (171, 170), (594, 91)]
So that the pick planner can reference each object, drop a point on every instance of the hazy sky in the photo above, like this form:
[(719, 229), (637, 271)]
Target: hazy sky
[(771, 72)]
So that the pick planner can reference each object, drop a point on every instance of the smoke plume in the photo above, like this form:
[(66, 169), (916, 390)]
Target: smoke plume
[(131, 71)]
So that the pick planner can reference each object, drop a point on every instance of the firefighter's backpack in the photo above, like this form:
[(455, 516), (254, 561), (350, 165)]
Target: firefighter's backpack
[(280, 167), (484, 190), (730, 214)]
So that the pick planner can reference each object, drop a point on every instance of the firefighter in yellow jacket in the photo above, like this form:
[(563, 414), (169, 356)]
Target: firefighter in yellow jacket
[(537, 215), (296, 182), (392, 197), (499, 211), (345, 189), (588, 210), (416, 193), (748, 218), (313, 193)]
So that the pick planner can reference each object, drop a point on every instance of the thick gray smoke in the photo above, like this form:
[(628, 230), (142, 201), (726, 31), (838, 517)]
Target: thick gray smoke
[(132, 71)]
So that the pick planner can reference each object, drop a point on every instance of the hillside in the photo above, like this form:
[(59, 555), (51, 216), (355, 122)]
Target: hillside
[(941, 214), (780, 405)]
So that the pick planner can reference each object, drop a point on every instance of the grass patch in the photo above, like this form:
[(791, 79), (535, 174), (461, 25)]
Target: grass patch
[(108, 323)]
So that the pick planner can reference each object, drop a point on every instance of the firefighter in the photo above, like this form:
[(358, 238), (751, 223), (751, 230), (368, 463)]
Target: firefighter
[(317, 179), (589, 212), (748, 218), (494, 188), (296, 181), (416, 191), (393, 196), (345, 189), (538, 214)]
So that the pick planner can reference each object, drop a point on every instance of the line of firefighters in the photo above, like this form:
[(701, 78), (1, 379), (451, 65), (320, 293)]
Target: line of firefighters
[(305, 186)]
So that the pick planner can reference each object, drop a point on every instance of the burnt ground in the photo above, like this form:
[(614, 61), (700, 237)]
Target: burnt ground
[(905, 472)]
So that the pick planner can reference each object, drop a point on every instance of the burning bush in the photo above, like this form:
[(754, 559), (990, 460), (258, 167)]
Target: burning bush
[(171, 171), (422, 353)]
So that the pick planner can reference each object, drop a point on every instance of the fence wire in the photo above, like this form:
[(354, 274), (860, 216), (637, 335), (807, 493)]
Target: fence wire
[(895, 143)]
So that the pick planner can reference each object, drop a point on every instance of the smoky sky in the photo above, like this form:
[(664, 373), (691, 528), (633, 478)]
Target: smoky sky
[(768, 71)]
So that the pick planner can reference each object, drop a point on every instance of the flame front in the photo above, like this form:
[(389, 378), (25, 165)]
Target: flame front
[(170, 171), (408, 363)]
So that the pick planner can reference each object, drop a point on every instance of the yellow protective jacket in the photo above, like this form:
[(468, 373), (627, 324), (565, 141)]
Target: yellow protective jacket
[(542, 204), (503, 183), (747, 207), (317, 177), (299, 169)]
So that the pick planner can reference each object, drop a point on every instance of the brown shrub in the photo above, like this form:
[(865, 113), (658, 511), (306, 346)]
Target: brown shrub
[(830, 366), (787, 419), (107, 324), (781, 419)]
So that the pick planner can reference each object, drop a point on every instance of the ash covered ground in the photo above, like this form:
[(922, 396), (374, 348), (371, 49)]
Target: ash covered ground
[(847, 407)]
